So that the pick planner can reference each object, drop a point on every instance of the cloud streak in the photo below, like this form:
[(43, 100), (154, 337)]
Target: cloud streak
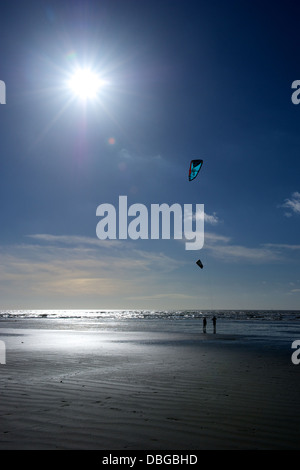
[(82, 272), (74, 269), (221, 247), (292, 204)]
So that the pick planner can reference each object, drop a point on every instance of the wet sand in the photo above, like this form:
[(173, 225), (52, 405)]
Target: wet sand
[(66, 386)]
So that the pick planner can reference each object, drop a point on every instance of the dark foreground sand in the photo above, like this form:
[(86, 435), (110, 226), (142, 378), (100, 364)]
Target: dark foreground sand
[(114, 390)]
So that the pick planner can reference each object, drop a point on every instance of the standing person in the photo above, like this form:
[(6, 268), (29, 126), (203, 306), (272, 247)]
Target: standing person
[(214, 320), (204, 325)]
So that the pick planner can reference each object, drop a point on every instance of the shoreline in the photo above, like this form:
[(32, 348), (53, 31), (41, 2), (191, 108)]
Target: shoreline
[(125, 389)]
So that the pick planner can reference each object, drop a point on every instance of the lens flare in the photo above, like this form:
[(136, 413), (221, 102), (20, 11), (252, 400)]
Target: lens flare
[(85, 84)]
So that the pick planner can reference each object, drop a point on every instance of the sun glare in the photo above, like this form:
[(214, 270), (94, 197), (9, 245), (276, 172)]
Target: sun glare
[(85, 84)]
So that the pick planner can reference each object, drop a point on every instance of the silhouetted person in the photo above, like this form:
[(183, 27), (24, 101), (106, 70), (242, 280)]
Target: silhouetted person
[(214, 320), (204, 324)]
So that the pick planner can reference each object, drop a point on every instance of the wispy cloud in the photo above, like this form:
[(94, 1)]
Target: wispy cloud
[(283, 246), (224, 248), (75, 240), (82, 272), (212, 219), (75, 268), (292, 204)]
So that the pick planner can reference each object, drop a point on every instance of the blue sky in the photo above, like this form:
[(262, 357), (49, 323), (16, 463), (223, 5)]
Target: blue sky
[(187, 79)]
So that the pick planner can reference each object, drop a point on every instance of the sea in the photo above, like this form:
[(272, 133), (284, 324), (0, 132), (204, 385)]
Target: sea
[(282, 326)]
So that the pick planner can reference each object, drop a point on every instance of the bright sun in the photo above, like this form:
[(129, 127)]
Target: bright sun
[(85, 84)]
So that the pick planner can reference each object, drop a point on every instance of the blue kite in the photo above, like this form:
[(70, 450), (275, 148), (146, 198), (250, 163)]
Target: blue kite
[(195, 167)]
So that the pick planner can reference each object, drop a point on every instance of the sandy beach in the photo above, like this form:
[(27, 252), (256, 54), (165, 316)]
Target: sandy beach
[(70, 386)]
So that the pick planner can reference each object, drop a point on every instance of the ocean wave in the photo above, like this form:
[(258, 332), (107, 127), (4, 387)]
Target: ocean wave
[(274, 315)]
